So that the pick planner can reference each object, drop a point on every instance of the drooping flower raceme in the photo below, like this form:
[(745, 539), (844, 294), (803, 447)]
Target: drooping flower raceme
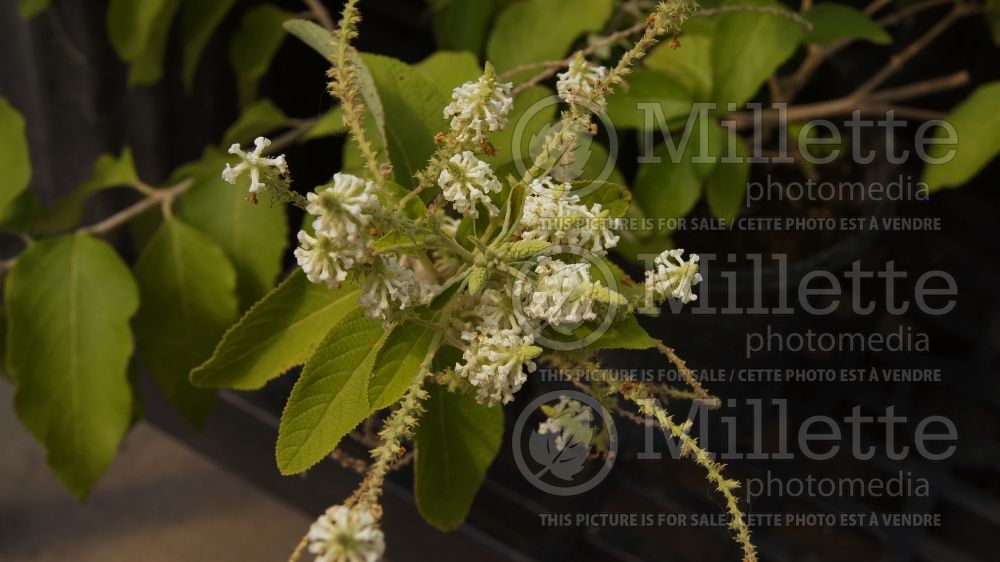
[(554, 214), (344, 534), (673, 276), (495, 362), (570, 421), (479, 106), (561, 293), (467, 180), (344, 208), (582, 82), (388, 290), (256, 163)]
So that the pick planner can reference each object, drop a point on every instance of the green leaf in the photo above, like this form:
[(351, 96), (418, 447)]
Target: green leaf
[(31, 8), (449, 70), (112, 171), (109, 171), (188, 289), (613, 197), (253, 236), (993, 18), (456, 441), (314, 35), (542, 30), (131, 24), (331, 396), (649, 88), (462, 25), (747, 48), (198, 21), (323, 43), (68, 304), (977, 124), (726, 186), (14, 159), (626, 333), (330, 124), (254, 45), (669, 189), (413, 114), (278, 333), (147, 67), (835, 22), (533, 112), (258, 118), (399, 362), (690, 65)]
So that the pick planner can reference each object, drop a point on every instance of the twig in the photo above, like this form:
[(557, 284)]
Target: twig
[(321, 13), (897, 61), (552, 66), (140, 207), (876, 6), (922, 88), (847, 104), (906, 11), (289, 137)]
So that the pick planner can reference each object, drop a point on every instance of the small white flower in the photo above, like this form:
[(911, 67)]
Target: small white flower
[(344, 534), (495, 363), (327, 260), (389, 289), (344, 208), (562, 293), (570, 421), (467, 180), (479, 107), (552, 213), (582, 82), (673, 276), (253, 161), (496, 311)]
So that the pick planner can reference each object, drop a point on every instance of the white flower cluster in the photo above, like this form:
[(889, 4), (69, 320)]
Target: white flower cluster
[(467, 180), (673, 276), (570, 421), (344, 534), (552, 213), (390, 289), (254, 161), (495, 361), (561, 294), (479, 106), (582, 82), (343, 213)]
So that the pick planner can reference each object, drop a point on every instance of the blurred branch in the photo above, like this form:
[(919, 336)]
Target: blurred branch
[(321, 14), (161, 197)]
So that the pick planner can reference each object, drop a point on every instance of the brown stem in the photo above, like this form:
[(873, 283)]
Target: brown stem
[(321, 13), (897, 61), (140, 207)]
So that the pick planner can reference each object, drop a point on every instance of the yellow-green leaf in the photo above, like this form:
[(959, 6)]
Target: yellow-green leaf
[(68, 304), (457, 440), (188, 289), (198, 21), (14, 160), (399, 362), (331, 396), (254, 45), (253, 236), (278, 333), (977, 124)]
